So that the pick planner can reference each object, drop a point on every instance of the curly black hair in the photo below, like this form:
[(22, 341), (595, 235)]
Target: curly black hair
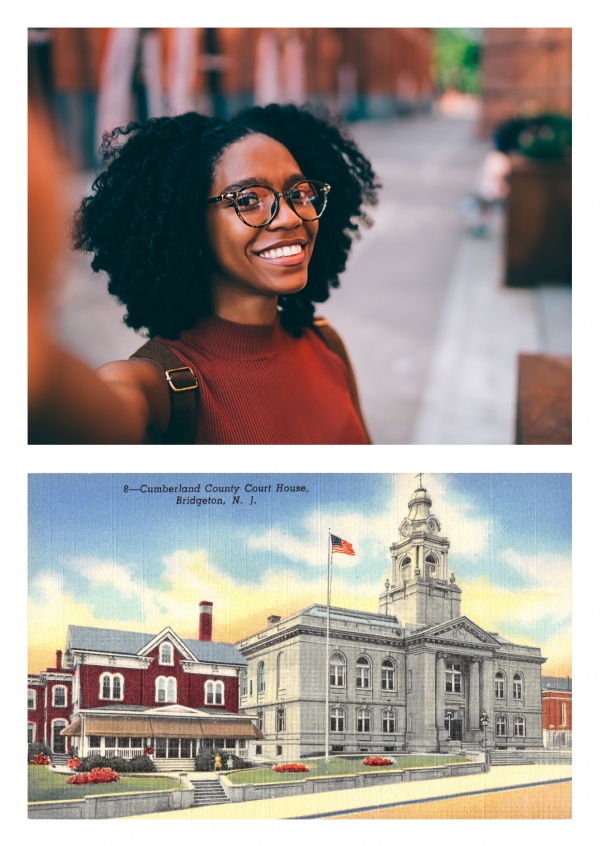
[(144, 222)]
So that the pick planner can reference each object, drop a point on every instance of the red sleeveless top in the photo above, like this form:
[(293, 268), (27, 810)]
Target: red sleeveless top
[(260, 385)]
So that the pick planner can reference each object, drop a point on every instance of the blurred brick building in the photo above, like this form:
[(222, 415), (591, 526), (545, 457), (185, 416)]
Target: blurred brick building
[(524, 71), (557, 712)]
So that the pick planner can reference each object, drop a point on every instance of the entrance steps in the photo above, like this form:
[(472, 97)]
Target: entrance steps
[(59, 759), (180, 765), (209, 792)]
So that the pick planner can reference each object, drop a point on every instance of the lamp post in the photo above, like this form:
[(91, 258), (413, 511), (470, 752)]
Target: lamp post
[(449, 714), (484, 722)]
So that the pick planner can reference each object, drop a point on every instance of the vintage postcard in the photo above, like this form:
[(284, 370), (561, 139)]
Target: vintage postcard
[(274, 646)]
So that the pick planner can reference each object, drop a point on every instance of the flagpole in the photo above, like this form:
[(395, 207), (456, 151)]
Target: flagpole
[(329, 556)]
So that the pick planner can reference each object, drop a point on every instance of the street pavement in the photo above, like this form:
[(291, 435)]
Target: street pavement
[(433, 333), (341, 802)]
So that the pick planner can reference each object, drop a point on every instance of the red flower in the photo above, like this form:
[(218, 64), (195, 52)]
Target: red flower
[(377, 761), (98, 775), (74, 763), (290, 768), (149, 750), (40, 759)]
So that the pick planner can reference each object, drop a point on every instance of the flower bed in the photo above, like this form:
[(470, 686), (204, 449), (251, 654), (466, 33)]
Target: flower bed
[(378, 761), (96, 776), (40, 760), (290, 768), (74, 763)]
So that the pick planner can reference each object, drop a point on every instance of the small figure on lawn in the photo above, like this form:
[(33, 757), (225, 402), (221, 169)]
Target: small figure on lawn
[(230, 763), (218, 764)]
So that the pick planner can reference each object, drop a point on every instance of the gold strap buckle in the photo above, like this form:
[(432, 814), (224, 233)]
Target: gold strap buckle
[(173, 386)]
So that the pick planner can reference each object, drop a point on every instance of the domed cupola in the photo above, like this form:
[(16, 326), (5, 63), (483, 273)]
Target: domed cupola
[(419, 589)]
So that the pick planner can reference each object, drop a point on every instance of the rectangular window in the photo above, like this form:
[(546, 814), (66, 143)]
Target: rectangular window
[(30, 732), (563, 714), (409, 680), (453, 677), (363, 722), (110, 742), (186, 747), (160, 747), (242, 744), (173, 747), (258, 749), (229, 744), (94, 741), (31, 700), (123, 743), (136, 742), (279, 750)]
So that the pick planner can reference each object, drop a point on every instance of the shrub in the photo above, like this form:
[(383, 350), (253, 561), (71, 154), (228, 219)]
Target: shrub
[(41, 760), (141, 764), (34, 749), (204, 762)]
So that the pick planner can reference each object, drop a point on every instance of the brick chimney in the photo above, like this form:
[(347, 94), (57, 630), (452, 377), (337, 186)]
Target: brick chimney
[(59, 659), (205, 623)]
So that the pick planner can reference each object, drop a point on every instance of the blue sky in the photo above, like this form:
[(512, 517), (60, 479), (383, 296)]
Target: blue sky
[(100, 556)]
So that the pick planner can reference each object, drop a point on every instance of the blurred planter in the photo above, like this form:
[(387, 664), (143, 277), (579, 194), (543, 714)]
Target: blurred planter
[(538, 225)]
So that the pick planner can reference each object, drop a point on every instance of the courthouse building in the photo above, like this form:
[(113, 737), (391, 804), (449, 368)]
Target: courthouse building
[(416, 676)]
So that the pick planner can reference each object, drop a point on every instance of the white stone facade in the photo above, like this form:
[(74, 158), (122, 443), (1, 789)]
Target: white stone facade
[(417, 677)]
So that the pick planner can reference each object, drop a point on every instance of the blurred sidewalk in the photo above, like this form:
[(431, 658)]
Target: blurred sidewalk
[(433, 334)]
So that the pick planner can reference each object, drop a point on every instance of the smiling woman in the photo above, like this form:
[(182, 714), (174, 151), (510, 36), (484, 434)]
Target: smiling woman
[(219, 237)]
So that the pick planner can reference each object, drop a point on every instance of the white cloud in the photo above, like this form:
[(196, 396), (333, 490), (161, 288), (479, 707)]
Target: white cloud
[(102, 573)]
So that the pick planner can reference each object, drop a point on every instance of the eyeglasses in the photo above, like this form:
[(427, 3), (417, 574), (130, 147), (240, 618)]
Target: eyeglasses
[(257, 205)]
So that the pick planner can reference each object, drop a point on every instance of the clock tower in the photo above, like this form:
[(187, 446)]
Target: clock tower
[(420, 593)]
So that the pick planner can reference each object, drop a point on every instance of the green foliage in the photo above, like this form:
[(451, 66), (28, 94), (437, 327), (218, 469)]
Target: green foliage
[(139, 764), (457, 60), (547, 137), (45, 785), (205, 761), (34, 749)]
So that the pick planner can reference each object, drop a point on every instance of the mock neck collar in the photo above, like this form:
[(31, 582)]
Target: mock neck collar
[(235, 341)]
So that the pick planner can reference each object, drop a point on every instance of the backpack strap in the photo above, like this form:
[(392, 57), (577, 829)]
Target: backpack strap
[(183, 384), (332, 340)]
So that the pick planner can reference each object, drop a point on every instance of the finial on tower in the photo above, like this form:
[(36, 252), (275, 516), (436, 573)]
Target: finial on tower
[(419, 476)]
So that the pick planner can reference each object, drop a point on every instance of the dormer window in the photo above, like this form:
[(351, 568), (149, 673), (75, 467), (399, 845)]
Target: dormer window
[(165, 655)]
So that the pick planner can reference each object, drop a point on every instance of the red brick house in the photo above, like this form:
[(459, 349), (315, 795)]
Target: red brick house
[(556, 712), (120, 692)]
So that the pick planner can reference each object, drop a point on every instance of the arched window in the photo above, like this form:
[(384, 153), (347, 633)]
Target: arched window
[(112, 686), (244, 685), (363, 673), (281, 671), (389, 721), (280, 720), (500, 685), (261, 680), (117, 688), (501, 726), (166, 689), (431, 562), (363, 720), (517, 686), (519, 727), (388, 674), (105, 686), (260, 719), (209, 693), (219, 693), (337, 719), (166, 653), (337, 670), (406, 569)]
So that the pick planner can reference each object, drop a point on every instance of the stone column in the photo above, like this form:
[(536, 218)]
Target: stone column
[(473, 705), (440, 692)]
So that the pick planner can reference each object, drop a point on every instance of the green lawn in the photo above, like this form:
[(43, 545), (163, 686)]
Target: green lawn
[(342, 766), (45, 786)]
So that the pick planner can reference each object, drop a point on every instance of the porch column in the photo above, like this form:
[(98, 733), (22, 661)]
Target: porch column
[(474, 710)]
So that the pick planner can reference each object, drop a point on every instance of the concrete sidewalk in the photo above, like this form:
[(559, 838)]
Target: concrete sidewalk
[(322, 805)]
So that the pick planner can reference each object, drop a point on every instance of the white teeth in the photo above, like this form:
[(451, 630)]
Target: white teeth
[(282, 251)]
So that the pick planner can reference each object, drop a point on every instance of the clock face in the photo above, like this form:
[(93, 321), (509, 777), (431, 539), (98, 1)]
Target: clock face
[(433, 526), (405, 528)]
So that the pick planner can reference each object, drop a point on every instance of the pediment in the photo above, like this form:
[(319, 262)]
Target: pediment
[(460, 631), (177, 711)]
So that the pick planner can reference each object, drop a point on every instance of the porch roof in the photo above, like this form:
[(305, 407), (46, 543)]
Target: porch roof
[(145, 726)]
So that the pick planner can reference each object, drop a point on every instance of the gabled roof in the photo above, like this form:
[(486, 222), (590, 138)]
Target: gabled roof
[(119, 642)]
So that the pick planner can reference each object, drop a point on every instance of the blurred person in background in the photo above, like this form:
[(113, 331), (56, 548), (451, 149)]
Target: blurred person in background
[(219, 237)]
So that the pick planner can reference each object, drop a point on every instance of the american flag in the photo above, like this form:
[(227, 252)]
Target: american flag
[(340, 545)]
